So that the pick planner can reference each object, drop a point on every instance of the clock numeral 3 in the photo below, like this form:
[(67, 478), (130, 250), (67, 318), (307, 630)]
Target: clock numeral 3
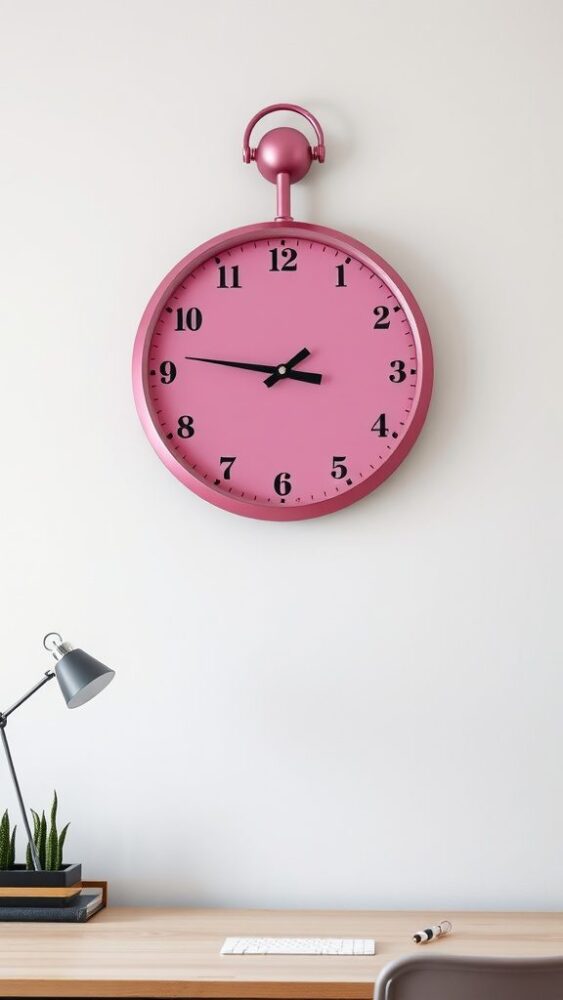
[(168, 372), (290, 257), (191, 319), (338, 470), (235, 283), (380, 426), (381, 314), (340, 283), (399, 375), (186, 427), (282, 484), (228, 463)]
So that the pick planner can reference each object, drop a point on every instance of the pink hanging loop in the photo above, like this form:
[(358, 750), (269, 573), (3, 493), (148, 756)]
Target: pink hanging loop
[(283, 155)]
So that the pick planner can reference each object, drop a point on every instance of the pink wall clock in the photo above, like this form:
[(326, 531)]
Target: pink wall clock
[(282, 370)]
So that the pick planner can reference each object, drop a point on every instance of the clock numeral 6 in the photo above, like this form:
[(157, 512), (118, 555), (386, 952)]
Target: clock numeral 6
[(282, 484), (399, 374), (186, 427), (235, 283), (380, 426), (290, 257), (381, 314), (338, 470), (190, 319), (168, 372), (228, 462)]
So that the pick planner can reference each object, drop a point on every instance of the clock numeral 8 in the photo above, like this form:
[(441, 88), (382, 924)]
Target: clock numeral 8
[(185, 427), (190, 320), (399, 374), (168, 372), (282, 484), (338, 469)]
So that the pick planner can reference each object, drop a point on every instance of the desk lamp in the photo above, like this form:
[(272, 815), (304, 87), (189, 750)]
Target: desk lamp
[(80, 678)]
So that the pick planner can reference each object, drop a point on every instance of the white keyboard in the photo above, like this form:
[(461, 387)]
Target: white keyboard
[(297, 946)]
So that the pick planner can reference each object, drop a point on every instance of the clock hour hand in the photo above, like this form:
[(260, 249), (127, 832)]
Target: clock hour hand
[(286, 371), (312, 377)]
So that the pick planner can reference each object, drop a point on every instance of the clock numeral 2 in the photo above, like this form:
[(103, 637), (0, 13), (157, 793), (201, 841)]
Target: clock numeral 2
[(235, 283), (228, 462), (290, 257), (190, 320), (282, 484), (186, 427), (168, 372), (338, 469), (380, 426), (381, 314), (399, 374)]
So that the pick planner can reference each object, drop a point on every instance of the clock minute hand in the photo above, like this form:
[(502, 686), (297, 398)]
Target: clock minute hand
[(312, 377)]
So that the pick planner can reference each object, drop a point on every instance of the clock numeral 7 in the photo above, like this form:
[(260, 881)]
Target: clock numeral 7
[(282, 484), (235, 283), (289, 255), (185, 427), (228, 463), (382, 321), (191, 319), (338, 469)]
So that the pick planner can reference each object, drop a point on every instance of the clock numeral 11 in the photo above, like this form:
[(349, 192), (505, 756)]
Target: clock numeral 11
[(223, 283), (190, 319)]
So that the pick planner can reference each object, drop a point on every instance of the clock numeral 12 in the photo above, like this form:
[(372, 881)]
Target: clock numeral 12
[(282, 484), (228, 462), (235, 283), (191, 320), (185, 427), (380, 426), (290, 257)]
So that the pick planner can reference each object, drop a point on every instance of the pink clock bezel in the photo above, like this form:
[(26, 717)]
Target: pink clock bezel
[(268, 230)]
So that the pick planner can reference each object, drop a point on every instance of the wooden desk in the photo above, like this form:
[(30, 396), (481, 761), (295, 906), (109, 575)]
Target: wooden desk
[(175, 953)]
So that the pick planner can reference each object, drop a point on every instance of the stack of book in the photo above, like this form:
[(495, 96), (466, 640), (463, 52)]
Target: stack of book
[(49, 897)]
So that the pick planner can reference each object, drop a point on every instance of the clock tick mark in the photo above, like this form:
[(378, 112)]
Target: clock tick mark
[(169, 309), (348, 482), (217, 482), (348, 259), (152, 372), (217, 260), (282, 242), (394, 434), (396, 309)]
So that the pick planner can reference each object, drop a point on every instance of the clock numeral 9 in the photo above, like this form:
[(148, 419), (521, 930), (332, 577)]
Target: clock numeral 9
[(289, 255), (399, 375), (380, 426), (191, 319), (228, 463), (338, 470), (234, 277), (168, 372), (185, 427), (282, 484), (381, 314)]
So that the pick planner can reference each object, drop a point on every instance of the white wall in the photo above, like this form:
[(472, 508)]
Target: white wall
[(363, 710)]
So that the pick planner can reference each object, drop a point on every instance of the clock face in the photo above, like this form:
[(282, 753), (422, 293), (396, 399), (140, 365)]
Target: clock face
[(282, 373)]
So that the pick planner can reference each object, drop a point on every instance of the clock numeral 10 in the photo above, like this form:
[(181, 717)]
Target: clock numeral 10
[(168, 372), (191, 319), (185, 427), (228, 462), (290, 257), (235, 283), (381, 314), (282, 484), (380, 426), (338, 469)]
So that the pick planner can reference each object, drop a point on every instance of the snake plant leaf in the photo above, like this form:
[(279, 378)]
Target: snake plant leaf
[(12, 853), (62, 839), (4, 841), (54, 809), (42, 845), (52, 846)]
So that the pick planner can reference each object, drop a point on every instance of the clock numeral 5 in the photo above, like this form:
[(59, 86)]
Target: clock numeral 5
[(381, 314), (380, 426), (235, 283), (185, 427), (338, 470), (289, 255), (168, 372), (228, 463), (282, 484), (191, 319), (399, 374)]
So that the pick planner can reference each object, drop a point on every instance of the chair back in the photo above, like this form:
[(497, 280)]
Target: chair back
[(453, 977)]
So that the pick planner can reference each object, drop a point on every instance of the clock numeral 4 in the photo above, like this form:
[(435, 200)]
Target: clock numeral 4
[(382, 321), (185, 427), (399, 374), (228, 462), (290, 258), (234, 278), (189, 319), (338, 469), (380, 426), (340, 283), (167, 372), (282, 484)]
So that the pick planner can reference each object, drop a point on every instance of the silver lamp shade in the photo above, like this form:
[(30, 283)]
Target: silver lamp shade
[(80, 676)]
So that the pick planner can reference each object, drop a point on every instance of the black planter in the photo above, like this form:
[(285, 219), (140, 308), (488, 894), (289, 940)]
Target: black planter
[(18, 878)]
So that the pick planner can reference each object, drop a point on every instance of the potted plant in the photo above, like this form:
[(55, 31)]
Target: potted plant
[(49, 844)]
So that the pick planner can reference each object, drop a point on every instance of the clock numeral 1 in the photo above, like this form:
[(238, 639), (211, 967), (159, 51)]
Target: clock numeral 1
[(282, 484), (168, 372), (186, 427), (338, 470), (399, 374), (340, 283), (380, 426), (228, 463), (235, 283), (289, 255), (381, 314), (191, 319)]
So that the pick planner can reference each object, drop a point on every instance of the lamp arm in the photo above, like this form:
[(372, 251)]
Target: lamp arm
[(3, 722)]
